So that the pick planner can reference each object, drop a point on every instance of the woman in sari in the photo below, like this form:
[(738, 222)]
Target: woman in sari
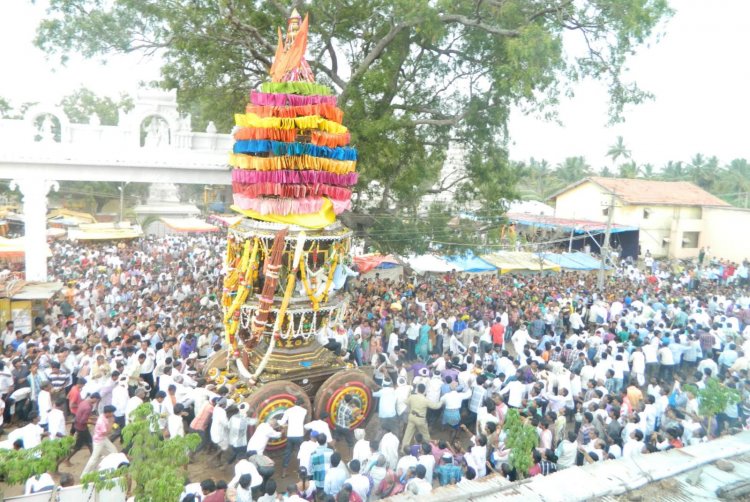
[(423, 343)]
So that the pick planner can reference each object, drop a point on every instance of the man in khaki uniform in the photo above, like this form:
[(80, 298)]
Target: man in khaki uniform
[(418, 405)]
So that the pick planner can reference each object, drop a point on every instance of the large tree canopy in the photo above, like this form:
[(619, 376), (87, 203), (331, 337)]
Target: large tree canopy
[(413, 75)]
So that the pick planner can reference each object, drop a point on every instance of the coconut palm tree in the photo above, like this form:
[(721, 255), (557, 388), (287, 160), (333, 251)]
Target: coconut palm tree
[(733, 184), (674, 171), (539, 180), (618, 150), (572, 169), (628, 170), (703, 172), (647, 171)]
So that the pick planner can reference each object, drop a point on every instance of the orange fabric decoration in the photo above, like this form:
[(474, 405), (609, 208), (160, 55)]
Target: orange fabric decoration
[(284, 62), (330, 112), (329, 139)]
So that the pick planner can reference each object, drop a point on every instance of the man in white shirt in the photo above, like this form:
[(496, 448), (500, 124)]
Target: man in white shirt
[(515, 390), (113, 461), (520, 338), (133, 403), (44, 402), (360, 483), (56, 419), (120, 400), (335, 476), (427, 459), (638, 362), (389, 448), (418, 485), (39, 483), (294, 420), (264, 432), (244, 466), (633, 447), (566, 451), (321, 427), (31, 434), (387, 404), (306, 450), (175, 424)]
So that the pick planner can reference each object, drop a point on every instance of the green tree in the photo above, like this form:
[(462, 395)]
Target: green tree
[(94, 195), (83, 103), (674, 171), (572, 169), (734, 182), (703, 171), (521, 441), (538, 180), (5, 108), (628, 170), (157, 466), (413, 76), (18, 466), (605, 172), (647, 171), (710, 174), (618, 150), (714, 399)]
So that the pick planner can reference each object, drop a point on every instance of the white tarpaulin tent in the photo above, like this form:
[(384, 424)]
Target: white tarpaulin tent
[(428, 263)]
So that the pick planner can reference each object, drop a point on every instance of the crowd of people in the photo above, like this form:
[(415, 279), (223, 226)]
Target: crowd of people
[(599, 374)]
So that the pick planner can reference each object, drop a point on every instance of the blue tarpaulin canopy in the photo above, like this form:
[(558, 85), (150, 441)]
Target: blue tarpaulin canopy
[(574, 261), (470, 263)]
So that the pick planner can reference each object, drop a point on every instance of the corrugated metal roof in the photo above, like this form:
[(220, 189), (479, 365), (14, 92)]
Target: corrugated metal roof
[(566, 224), (695, 485)]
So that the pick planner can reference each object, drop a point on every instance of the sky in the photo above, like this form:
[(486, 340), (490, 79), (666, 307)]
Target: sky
[(697, 71)]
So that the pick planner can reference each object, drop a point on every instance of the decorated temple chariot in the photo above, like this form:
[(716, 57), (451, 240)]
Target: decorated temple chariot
[(283, 301)]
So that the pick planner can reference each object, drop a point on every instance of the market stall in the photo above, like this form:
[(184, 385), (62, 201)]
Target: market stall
[(518, 261)]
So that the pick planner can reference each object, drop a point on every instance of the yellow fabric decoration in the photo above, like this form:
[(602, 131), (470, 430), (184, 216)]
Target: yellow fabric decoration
[(307, 122), (318, 220), (293, 162)]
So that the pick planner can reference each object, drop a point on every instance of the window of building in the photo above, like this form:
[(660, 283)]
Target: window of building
[(690, 239), (605, 211), (646, 213), (692, 213)]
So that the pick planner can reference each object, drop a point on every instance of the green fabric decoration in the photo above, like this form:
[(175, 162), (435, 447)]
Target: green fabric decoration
[(301, 88)]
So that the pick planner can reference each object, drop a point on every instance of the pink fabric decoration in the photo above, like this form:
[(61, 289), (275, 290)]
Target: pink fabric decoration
[(292, 191), (266, 99), (284, 207), (248, 177)]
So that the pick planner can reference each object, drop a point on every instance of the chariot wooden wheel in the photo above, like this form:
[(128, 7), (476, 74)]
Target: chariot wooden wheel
[(331, 394), (271, 400), (215, 363)]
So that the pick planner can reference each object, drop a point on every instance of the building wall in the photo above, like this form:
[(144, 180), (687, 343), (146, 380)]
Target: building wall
[(725, 232), (663, 230), (587, 201)]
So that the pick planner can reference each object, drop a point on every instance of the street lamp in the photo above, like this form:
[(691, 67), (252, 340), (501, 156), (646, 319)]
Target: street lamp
[(121, 188)]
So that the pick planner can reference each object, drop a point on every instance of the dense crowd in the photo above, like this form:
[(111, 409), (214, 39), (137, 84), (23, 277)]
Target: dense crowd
[(599, 374)]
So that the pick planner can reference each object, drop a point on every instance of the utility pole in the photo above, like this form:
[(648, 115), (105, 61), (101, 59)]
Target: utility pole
[(122, 199), (605, 252)]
